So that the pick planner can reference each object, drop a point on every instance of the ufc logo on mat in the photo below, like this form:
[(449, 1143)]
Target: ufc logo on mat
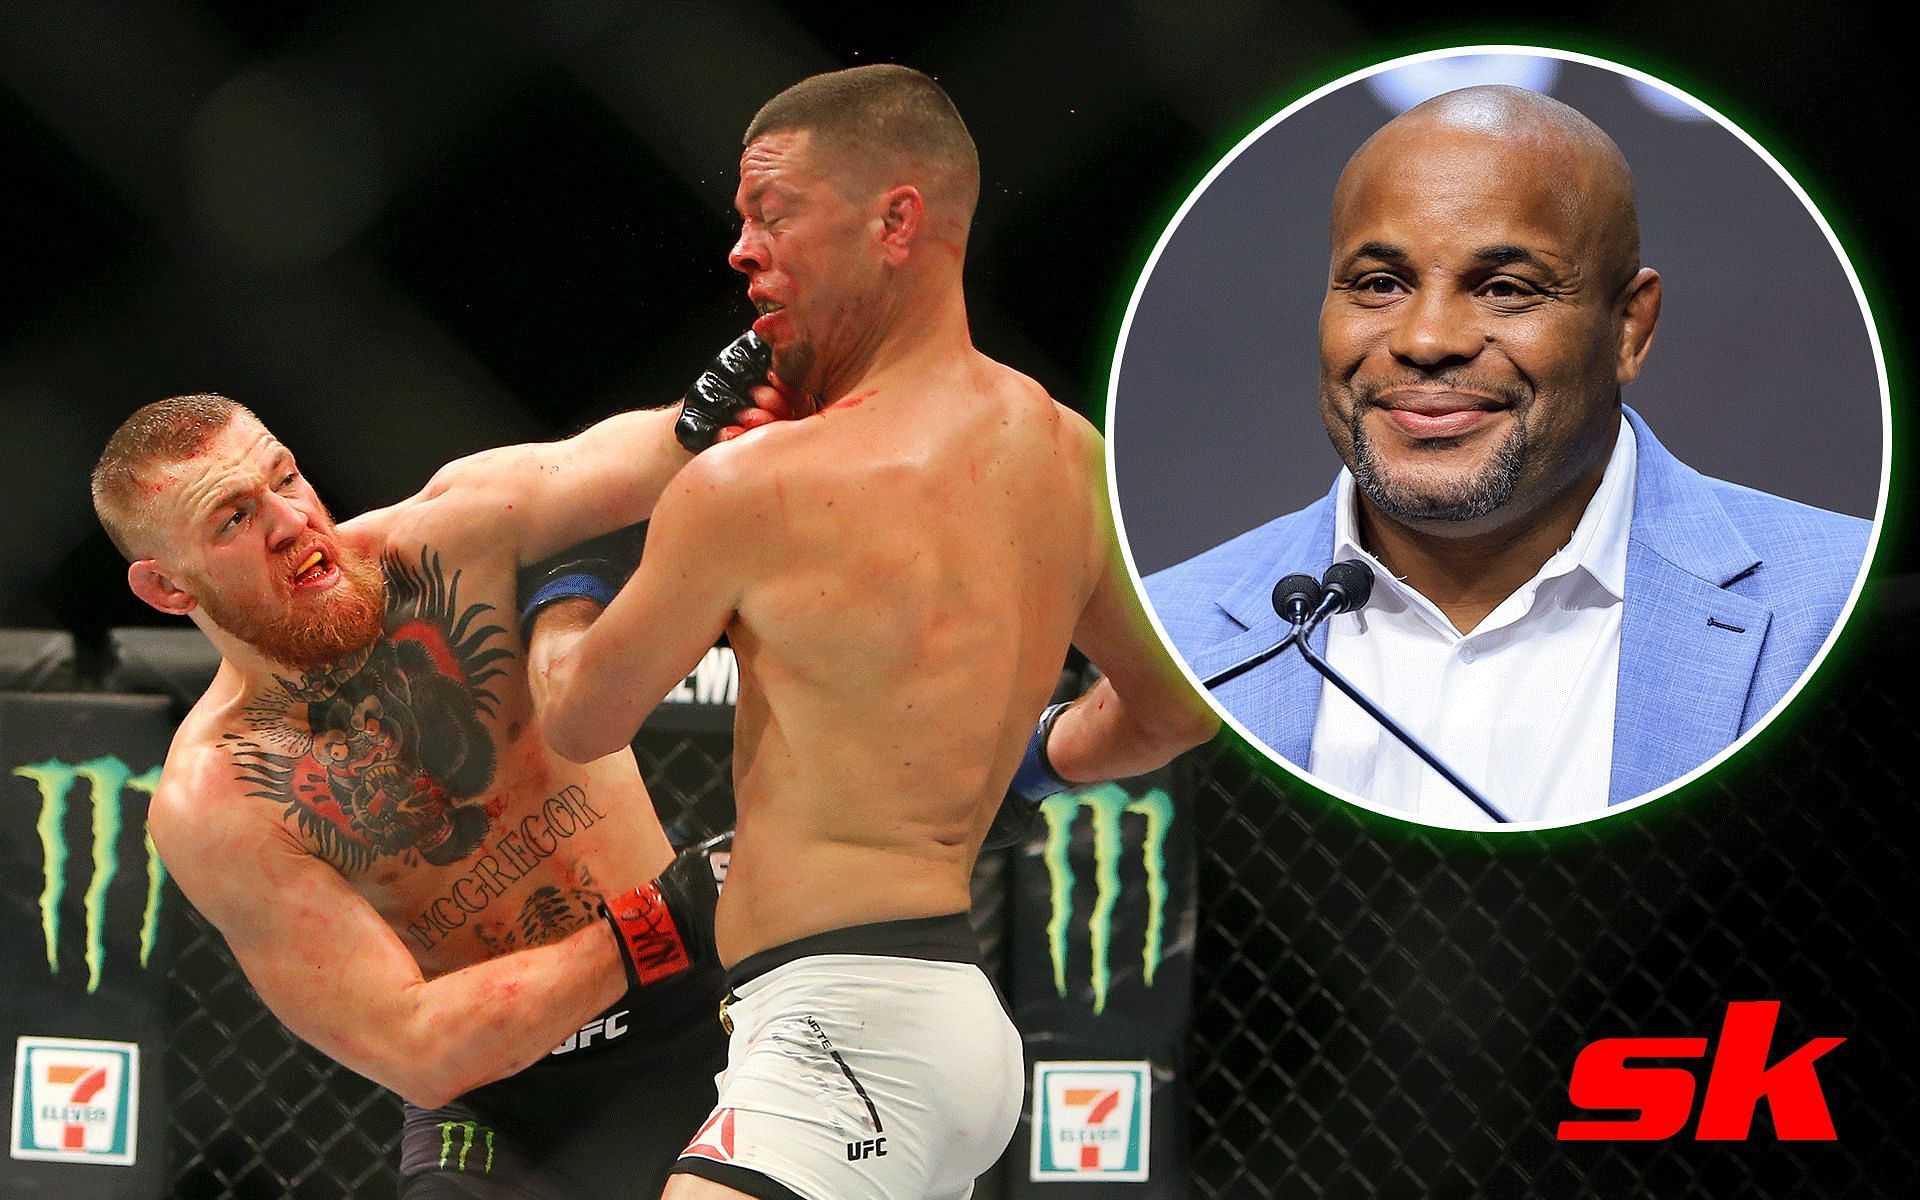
[(1739, 1078)]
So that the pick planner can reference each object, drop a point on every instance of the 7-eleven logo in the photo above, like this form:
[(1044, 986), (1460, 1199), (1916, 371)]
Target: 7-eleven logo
[(86, 1083), (1091, 1120), (75, 1101)]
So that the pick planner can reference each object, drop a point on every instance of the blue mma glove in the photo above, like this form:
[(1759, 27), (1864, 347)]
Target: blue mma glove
[(593, 570), (1033, 782)]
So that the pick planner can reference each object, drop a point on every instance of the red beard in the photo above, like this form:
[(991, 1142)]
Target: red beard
[(313, 633)]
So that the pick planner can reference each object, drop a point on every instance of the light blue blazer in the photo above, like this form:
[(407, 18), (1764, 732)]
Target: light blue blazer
[(1730, 593)]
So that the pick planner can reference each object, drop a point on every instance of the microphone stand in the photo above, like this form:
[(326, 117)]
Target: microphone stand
[(1255, 659), (1299, 638), (1296, 600), (1304, 602)]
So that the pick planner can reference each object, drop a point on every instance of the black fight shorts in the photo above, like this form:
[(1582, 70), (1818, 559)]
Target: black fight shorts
[(604, 1115)]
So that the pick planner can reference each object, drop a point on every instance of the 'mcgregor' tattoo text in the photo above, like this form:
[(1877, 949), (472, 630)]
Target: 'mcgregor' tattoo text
[(548, 913)]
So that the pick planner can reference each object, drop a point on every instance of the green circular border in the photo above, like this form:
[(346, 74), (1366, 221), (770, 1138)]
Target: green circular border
[(1774, 726)]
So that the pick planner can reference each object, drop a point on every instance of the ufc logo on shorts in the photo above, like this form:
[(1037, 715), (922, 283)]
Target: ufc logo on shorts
[(1738, 1079), (605, 1028), (871, 1148)]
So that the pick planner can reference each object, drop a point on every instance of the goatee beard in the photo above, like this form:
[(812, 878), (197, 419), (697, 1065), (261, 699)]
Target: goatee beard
[(309, 637), (1486, 490), (794, 368)]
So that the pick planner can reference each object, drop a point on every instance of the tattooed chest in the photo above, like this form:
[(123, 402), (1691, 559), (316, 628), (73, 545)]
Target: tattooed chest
[(532, 884), (389, 756)]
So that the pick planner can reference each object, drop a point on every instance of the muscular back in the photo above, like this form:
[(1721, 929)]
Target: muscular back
[(927, 553)]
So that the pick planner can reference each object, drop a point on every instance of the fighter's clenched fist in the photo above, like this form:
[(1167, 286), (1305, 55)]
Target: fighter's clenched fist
[(730, 397)]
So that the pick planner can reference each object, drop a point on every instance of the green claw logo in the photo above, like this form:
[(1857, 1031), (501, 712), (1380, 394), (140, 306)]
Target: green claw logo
[(471, 1134), (107, 778), (1108, 802)]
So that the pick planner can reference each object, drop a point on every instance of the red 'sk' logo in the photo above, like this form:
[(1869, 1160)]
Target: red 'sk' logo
[(1662, 1097)]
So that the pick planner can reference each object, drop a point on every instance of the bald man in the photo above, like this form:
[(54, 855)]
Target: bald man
[(900, 572), (1568, 615)]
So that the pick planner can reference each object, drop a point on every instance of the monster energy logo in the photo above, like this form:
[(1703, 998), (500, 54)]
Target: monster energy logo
[(107, 779), (471, 1134), (1108, 802)]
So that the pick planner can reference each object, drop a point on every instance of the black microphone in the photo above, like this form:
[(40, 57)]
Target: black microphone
[(1353, 581), (1295, 598), (1346, 587)]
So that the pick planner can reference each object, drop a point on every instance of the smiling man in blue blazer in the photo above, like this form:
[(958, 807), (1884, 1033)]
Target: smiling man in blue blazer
[(1570, 616)]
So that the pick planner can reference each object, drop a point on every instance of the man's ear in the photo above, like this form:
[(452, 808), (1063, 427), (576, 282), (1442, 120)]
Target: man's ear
[(158, 588), (1640, 312), (903, 211)]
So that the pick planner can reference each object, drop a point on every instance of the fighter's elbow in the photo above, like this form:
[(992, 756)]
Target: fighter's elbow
[(566, 733), (427, 1091), (573, 746), (435, 1080), (571, 733), (1193, 723), (1173, 727), (563, 719), (433, 1060), (411, 1066)]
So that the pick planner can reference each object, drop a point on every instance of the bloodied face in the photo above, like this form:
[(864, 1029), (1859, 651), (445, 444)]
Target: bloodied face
[(810, 247), (243, 536)]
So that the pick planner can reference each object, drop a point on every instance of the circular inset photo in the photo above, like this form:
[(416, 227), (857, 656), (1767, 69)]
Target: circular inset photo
[(1499, 436)]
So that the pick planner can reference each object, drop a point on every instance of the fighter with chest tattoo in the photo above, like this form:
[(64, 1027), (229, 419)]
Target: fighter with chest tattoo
[(363, 803)]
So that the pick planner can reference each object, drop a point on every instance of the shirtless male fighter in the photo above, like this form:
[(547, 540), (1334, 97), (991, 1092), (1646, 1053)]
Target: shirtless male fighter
[(364, 805), (900, 573)]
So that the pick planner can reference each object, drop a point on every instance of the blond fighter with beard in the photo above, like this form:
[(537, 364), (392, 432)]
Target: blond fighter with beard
[(364, 805)]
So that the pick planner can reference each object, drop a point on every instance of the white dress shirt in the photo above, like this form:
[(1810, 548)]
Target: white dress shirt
[(1521, 707)]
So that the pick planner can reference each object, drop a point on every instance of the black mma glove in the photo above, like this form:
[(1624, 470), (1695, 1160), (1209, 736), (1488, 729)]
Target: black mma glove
[(1033, 782), (665, 926), (722, 391)]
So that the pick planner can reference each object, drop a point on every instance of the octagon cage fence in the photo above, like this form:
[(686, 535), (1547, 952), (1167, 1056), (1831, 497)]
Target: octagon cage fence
[(1377, 1009)]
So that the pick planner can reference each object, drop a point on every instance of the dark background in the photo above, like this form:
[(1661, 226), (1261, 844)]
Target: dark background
[(405, 232), (402, 233), (1761, 370)]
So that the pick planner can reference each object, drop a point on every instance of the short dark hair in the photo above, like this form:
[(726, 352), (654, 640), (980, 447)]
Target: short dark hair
[(165, 431), (879, 112)]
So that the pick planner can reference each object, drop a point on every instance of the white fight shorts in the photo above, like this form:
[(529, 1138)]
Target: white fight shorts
[(870, 1063)]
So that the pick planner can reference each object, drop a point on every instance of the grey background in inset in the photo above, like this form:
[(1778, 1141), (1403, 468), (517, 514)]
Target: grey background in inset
[(1761, 372)]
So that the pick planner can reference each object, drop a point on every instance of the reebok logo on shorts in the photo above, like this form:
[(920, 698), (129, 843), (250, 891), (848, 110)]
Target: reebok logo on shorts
[(715, 1139)]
